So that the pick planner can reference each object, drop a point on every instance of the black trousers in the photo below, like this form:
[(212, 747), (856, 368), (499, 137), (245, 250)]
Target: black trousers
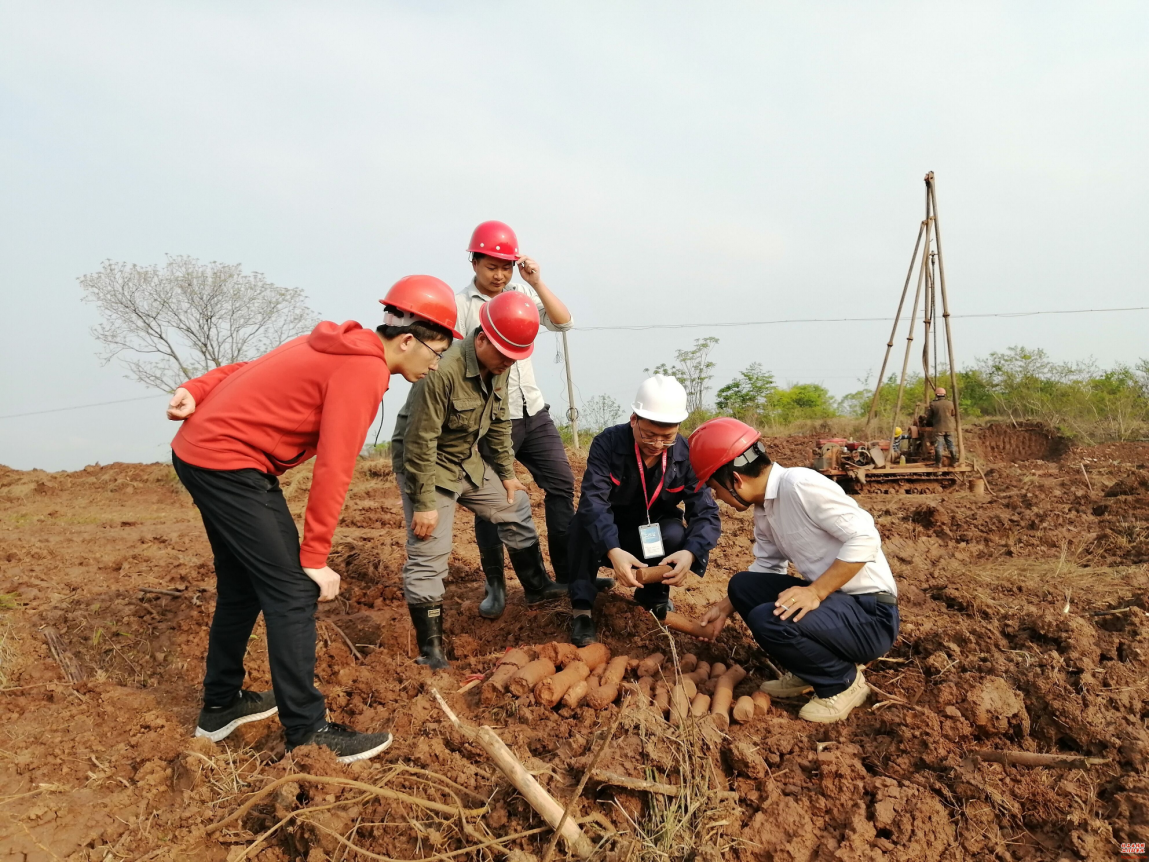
[(256, 548), (827, 644), (539, 448), (584, 565)]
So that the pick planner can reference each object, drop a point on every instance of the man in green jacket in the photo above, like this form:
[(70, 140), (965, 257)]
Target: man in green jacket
[(437, 464)]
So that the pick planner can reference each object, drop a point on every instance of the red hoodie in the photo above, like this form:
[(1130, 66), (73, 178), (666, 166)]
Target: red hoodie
[(314, 395)]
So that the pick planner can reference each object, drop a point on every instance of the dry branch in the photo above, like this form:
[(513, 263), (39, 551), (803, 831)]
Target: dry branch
[(63, 656), (616, 780), (1029, 758), (523, 781)]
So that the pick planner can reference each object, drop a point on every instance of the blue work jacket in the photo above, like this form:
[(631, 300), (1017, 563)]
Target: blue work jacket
[(612, 466)]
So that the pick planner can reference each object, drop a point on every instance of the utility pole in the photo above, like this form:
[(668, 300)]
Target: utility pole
[(572, 411)]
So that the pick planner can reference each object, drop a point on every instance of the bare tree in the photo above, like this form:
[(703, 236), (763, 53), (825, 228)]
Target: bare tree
[(600, 411), (180, 320)]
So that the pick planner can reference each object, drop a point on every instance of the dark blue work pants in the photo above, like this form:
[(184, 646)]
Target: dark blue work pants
[(539, 448), (825, 647), (256, 548), (584, 565)]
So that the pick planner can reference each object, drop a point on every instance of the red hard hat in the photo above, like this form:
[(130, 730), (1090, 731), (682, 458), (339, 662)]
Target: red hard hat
[(717, 442), (495, 239), (427, 297), (511, 322)]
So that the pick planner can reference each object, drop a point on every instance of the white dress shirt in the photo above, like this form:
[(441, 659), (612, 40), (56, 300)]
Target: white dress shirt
[(521, 387), (808, 520)]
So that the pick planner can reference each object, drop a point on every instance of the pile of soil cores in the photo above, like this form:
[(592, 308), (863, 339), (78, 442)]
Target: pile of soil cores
[(1025, 628)]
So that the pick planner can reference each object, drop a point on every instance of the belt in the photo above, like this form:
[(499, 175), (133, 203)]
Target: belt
[(883, 598)]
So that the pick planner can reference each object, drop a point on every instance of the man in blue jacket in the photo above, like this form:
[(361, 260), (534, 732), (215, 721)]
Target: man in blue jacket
[(637, 476)]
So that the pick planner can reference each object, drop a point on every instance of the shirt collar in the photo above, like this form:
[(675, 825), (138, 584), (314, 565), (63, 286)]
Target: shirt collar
[(470, 355), (773, 481), (471, 291)]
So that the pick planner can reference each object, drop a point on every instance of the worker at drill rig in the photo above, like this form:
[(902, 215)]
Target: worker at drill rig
[(494, 251), (246, 424), (638, 479), (438, 462), (821, 628)]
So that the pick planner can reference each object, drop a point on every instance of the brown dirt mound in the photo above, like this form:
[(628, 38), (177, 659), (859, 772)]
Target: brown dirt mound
[(1024, 627), (1007, 443)]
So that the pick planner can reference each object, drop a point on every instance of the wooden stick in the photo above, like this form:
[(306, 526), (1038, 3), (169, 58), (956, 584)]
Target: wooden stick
[(346, 640), (175, 594), (1088, 484), (530, 676), (1110, 613), (652, 574), (679, 623), (582, 782), (63, 657), (523, 781), (1029, 758), (616, 780)]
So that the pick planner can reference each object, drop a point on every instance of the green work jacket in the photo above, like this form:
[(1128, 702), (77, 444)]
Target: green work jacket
[(437, 431)]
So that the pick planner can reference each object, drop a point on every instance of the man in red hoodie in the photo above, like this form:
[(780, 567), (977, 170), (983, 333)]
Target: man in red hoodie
[(245, 425)]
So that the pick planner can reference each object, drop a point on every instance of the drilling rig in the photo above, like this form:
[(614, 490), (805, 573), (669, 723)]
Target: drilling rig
[(903, 462)]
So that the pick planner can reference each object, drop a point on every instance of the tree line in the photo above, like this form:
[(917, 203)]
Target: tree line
[(1080, 399)]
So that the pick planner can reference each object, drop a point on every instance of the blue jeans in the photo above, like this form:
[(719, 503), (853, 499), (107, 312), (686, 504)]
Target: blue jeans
[(825, 647)]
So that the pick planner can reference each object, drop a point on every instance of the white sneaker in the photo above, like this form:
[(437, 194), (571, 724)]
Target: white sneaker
[(788, 686), (827, 710)]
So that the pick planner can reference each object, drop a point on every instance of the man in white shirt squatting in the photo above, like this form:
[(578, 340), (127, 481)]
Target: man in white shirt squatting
[(821, 629), (494, 251)]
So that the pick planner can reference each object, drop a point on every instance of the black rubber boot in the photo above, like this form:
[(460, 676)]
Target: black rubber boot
[(583, 631), (561, 565), (528, 566), (495, 603), (428, 620)]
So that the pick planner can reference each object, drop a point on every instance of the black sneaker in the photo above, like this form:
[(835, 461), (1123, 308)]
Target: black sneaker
[(218, 722), (349, 744)]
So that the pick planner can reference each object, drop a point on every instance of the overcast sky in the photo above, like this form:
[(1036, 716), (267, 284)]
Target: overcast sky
[(664, 163)]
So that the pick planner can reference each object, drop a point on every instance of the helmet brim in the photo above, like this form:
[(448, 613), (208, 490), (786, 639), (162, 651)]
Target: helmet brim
[(501, 255), (665, 418)]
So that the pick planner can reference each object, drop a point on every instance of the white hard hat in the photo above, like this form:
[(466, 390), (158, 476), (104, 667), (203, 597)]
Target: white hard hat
[(661, 398)]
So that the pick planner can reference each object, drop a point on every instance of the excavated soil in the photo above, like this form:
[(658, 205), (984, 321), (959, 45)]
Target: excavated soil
[(1025, 628)]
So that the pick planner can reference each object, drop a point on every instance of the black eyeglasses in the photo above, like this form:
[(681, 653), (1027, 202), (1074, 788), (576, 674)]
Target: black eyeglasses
[(438, 355)]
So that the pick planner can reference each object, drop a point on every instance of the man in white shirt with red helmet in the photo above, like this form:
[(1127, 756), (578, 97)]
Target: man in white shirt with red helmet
[(495, 252)]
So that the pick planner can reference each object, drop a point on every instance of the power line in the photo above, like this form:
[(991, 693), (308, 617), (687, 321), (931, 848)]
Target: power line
[(844, 319), (725, 324), (79, 407)]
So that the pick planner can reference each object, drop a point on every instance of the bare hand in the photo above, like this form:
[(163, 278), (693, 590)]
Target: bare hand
[(716, 617), (682, 561), (513, 485), (328, 581), (530, 271), (797, 602), (181, 406), (624, 566), (424, 523)]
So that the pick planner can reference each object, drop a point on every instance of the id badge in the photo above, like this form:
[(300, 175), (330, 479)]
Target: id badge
[(650, 536)]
